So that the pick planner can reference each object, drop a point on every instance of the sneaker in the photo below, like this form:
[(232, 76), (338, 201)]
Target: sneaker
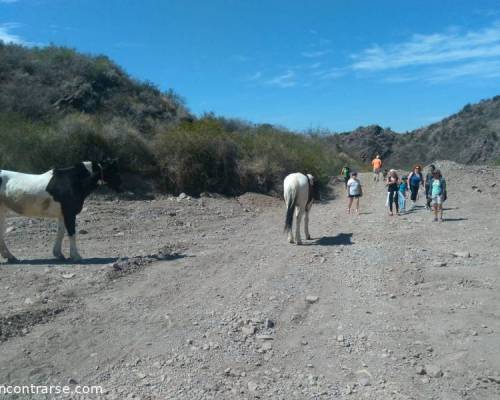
[(435, 220)]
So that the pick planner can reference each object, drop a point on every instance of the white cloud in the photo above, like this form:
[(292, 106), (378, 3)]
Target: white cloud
[(315, 65), (483, 68), (329, 73), (314, 54), (433, 49), (285, 80), (7, 37), (254, 77), (240, 58)]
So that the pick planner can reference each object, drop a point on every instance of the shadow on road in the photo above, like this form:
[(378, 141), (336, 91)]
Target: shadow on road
[(454, 219), (55, 261), (341, 238)]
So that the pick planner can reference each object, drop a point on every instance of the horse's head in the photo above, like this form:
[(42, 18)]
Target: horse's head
[(314, 187), (110, 174)]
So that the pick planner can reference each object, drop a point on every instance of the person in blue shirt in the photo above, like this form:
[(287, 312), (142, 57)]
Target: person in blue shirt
[(415, 180), (438, 194), (428, 179), (403, 193)]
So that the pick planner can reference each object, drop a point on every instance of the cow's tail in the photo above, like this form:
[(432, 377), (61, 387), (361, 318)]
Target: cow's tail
[(290, 200)]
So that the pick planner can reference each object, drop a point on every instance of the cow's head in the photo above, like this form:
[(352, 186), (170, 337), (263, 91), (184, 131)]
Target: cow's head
[(110, 174)]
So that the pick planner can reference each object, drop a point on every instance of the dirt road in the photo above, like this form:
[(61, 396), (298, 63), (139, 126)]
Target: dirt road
[(211, 303)]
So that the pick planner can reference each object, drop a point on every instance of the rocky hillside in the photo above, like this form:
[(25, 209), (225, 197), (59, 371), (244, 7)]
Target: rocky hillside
[(364, 142), (469, 136), (65, 107), (46, 83)]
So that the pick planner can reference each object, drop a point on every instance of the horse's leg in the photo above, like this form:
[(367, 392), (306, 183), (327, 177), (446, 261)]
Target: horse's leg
[(298, 217), (4, 251), (306, 223), (56, 251), (70, 222), (290, 236)]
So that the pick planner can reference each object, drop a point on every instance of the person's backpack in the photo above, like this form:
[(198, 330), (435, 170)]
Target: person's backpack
[(444, 195), (347, 172)]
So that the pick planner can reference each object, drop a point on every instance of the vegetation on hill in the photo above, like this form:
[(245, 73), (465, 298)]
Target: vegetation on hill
[(58, 107)]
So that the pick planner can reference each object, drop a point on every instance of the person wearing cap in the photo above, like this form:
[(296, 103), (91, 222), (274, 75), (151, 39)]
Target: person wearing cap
[(377, 166)]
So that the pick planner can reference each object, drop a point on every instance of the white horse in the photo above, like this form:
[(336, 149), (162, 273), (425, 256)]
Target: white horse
[(299, 192), (58, 194)]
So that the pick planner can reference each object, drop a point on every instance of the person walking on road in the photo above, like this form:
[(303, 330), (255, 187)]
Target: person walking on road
[(438, 194), (377, 166), (392, 192), (346, 174), (428, 179), (403, 193), (354, 191), (415, 180)]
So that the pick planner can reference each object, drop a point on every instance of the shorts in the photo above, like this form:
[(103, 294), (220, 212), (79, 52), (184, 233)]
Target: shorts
[(376, 170), (354, 196), (437, 199)]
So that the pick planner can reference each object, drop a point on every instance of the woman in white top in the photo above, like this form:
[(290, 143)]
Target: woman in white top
[(354, 191)]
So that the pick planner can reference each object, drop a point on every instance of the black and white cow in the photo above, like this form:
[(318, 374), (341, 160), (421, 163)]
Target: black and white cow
[(58, 193)]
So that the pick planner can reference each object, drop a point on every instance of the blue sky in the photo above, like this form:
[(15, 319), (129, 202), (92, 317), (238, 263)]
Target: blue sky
[(300, 64)]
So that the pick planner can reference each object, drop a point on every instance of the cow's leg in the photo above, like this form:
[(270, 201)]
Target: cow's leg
[(298, 218), (4, 251), (56, 251), (306, 223), (70, 222)]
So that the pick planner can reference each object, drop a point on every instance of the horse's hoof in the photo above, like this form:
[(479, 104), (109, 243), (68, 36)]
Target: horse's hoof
[(12, 260), (299, 242), (59, 256), (76, 258), (308, 237)]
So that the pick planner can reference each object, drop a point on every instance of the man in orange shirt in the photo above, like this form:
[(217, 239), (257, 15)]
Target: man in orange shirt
[(377, 167)]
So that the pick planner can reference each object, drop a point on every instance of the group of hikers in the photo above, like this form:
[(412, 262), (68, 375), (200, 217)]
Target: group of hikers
[(398, 189)]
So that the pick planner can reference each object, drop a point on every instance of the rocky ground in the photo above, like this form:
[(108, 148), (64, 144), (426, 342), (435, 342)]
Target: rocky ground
[(205, 299)]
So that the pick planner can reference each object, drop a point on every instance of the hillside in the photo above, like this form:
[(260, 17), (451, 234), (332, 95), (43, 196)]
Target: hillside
[(469, 136), (65, 106), (45, 83), (364, 142)]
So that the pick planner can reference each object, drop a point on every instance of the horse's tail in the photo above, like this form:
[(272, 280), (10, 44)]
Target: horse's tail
[(290, 208)]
